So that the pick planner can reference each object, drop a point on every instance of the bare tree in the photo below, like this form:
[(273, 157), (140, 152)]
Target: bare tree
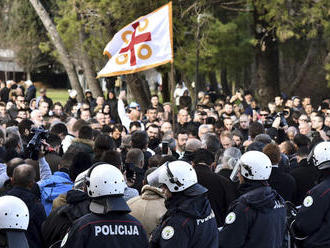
[(58, 43)]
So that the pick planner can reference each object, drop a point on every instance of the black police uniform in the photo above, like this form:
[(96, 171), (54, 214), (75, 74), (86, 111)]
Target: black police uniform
[(189, 222), (115, 230), (313, 218), (256, 219)]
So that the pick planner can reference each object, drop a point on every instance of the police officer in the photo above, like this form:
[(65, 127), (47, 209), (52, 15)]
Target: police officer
[(108, 224), (258, 217), (312, 223), (14, 221), (189, 220)]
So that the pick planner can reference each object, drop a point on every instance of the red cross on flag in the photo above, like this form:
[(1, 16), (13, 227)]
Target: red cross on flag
[(141, 45)]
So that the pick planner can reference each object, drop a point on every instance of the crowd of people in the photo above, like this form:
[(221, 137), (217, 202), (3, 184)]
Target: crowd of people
[(104, 173)]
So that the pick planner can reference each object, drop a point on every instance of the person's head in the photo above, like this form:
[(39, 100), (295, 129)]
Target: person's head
[(272, 107), (20, 101), (136, 157), (85, 114), (24, 176), (134, 111), (59, 129), (244, 121), (296, 101), (43, 92), (181, 140), (203, 129), (255, 128), (117, 131), (112, 157), (202, 156), (3, 110), (262, 115), (291, 132), (22, 114), (228, 123), (229, 158), (287, 147), (228, 108), (152, 114), (278, 101), (85, 132), (226, 139), (66, 160), (154, 101), (182, 116), (320, 155), (273, 152), (306, 101), (44, 108), (305, 128), (106, 182), (253, 165), (166, 126), (12, 164), (211, 142), (37, 117), (134, 126), (103, 143), (193, 145), (317, 122), (100, 118), (139, 139), (100, 100), (308, 109), (176, 177), (58, 109), (237, 137), (153, 131)]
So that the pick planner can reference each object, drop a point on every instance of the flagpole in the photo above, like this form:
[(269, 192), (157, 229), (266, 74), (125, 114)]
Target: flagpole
[(172, 93)]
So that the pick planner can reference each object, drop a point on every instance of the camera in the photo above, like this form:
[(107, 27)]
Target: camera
[(34, 145), (270, 119)]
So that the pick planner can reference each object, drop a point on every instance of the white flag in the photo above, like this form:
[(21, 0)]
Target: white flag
[(141, 45)]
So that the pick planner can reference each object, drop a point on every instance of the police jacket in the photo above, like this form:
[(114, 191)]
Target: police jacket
[(60, 220), (256, 219), (188, 222), (313, 219), (113, 230)]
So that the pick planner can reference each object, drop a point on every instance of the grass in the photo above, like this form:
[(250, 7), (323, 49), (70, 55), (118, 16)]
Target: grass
[(57, 95)]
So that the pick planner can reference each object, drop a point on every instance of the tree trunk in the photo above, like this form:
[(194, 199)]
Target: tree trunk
[(166, 88), (267, 64), (213, 81), (134, 83), (92, 82), (58, 43), (224, 82), (312, 51)]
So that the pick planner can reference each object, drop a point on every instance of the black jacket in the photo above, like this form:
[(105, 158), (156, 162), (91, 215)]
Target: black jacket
[(220, 192), (30, 93), (189, 222), (37, 215), (114, 230), (283, 183), (256, 219), (306, 177), (313, 218), (60, 220)]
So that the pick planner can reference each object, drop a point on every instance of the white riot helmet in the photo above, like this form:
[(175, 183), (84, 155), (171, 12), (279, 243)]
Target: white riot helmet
[(14, 213), (104, 180), (321, 155), (177, 176), (253, 165)]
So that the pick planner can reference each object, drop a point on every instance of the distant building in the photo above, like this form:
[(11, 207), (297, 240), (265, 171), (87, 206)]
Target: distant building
[(9, 69)]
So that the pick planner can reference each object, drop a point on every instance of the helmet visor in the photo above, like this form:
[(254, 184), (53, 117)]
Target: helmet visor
[(236, 169)]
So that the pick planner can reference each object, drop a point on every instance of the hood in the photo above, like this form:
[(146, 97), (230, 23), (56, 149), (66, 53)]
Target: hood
[(196, 207), (75, 196), (151, 193), (259, 197), (84, 141)]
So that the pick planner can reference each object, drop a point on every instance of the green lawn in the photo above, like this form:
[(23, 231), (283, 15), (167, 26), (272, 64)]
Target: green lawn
[(57, 95)]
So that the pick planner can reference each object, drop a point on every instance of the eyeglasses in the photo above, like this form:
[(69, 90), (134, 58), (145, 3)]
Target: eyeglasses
[(263, 114)]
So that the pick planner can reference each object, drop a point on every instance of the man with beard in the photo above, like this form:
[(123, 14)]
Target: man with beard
[(153, 134), (151, 115), (181, 140)]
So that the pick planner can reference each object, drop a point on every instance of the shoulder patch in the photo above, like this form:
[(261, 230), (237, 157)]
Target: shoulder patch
[(308, 201), (168, 232), (231, 217), (64, 239)]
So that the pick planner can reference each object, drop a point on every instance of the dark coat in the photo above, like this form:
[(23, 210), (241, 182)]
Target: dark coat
[(60, 220), (283, 183), (220, 192), (188, 222), (313, 218), (37, 215), (256, 219), (30, 93), (306, 177)]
